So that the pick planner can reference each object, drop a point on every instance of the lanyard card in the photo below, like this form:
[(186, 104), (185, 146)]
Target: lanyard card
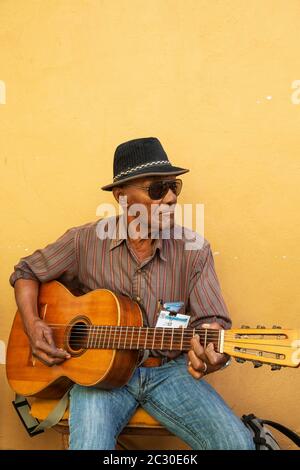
[(165, 320)]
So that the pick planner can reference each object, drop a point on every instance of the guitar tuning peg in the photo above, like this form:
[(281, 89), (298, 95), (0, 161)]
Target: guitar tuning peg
[(256, 364), (240, 360), (260, 327), (276, 327), (275, 367), (245, 326)]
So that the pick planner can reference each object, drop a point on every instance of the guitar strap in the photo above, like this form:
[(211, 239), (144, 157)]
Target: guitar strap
[(31, 424)]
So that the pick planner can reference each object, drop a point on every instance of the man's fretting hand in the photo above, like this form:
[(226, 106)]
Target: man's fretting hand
[(204, 361)]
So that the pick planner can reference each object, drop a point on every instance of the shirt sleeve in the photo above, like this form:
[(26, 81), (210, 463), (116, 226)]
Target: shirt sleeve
[(56, 261), (206, 303)]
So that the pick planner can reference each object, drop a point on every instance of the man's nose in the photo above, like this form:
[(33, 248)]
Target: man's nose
[(170, 198)]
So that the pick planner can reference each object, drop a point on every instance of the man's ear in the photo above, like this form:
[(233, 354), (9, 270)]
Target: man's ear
[(117, 192), (121, 196)]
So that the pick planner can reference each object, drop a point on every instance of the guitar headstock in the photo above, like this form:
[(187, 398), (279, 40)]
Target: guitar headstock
[(275, 346)]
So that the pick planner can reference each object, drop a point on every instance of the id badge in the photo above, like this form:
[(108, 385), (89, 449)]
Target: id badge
[(165, 320)]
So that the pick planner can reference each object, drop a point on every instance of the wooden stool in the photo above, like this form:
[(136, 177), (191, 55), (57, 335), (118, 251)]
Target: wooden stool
[(141, 422)]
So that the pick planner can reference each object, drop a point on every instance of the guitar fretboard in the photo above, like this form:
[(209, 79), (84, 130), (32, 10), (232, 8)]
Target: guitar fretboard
[(130, 337)]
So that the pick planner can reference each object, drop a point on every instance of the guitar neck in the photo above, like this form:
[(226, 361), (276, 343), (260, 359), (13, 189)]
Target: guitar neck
[(130, 337), (270, 346)]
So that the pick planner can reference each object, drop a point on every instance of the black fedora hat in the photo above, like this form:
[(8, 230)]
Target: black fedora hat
[(141, 157)]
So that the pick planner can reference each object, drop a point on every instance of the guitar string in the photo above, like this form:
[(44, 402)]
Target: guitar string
[(242, 331), (124, 330), (121, 326), (210, 331), (140, 339), (275, 331), (132, 328), (99, 337), (143, 334), (129, 339), (79, 330), (185, 344), (104, 343), (127, 336)]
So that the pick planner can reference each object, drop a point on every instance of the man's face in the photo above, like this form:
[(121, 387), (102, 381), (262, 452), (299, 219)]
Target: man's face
[(157, 214)]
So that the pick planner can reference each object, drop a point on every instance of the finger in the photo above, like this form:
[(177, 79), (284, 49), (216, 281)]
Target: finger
[(51, 351), (195, 362), (49, 338), (197, 375), (197, 346), (47, 360), (213, 357), (214, 326)]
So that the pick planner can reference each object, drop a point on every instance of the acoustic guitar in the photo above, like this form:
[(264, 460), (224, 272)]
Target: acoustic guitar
[(104, 334)]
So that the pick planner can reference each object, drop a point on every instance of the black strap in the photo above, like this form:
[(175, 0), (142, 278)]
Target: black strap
[(288, 432)]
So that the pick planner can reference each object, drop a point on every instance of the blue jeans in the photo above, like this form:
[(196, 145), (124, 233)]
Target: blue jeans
[(190, 409)]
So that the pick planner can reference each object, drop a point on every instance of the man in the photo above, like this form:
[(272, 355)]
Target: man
[(151, 269)]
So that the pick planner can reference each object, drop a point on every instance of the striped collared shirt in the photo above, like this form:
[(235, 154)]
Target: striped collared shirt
[(81, 258)]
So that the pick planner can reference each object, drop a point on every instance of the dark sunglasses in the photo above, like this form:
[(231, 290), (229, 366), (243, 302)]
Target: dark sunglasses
[(158, 189)]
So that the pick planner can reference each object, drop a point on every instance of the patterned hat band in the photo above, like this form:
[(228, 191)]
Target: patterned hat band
[(140, 167)]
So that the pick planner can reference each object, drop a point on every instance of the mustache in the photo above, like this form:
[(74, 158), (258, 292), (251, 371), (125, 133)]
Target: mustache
[(163, 209)]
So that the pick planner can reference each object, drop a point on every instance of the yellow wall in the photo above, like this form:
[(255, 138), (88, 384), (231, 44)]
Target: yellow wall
[(211, 79)]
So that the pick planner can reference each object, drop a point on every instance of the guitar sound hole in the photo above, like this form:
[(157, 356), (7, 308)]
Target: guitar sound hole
[(78, 336)]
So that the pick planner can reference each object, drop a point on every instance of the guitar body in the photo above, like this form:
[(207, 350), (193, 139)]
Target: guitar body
[(104, 368)]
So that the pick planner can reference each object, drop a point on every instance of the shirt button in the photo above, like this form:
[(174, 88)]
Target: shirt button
[(138, 298)]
